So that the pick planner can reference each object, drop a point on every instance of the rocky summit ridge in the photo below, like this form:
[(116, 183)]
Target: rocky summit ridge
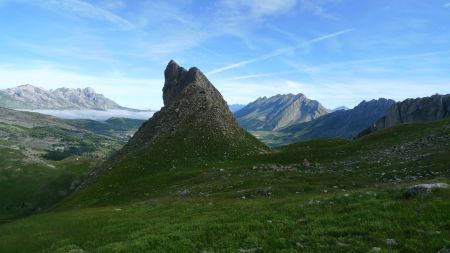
[(35, 98), (412, 111)]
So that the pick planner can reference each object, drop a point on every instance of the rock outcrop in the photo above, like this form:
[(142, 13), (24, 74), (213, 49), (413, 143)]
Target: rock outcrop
[(280, 111), (194, 124), (412, 111), (421, 189)]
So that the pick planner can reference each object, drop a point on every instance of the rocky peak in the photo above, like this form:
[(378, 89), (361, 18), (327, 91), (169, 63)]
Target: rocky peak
[(176, 79), (194, 112)]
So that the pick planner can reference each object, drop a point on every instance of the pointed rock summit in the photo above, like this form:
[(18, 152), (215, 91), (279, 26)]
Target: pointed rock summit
[(195, 123)]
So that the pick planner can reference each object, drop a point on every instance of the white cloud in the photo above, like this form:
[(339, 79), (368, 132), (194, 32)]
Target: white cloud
[(96, 114), (277, 52)]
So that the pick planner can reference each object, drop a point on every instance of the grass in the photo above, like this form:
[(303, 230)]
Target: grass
[(335, 222), (29, 186), (316, 196)]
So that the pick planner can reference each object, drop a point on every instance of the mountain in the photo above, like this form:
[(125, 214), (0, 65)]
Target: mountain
[(414, 110), (236, 107), (339, 124), (280, 111), (340, 108), (197, 113), (31, 97), (195, 126)]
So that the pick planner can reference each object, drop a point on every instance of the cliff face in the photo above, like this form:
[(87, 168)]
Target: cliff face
[(414, 110)]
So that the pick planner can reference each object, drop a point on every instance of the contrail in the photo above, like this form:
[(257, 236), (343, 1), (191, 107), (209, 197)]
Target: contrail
[(277, 52)]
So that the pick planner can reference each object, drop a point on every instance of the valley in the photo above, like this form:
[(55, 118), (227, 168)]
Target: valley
[(190, 179)]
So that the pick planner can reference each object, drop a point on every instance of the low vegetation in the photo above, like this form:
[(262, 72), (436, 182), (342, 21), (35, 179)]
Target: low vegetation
[(317, 196)]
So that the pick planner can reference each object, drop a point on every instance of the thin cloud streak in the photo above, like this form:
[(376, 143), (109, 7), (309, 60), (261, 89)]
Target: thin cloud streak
[(260, 75), (82, 9), (447, 5), (86, 9), (278, 52), (303, 68)]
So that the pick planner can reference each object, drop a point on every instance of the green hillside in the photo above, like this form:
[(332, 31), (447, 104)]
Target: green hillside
[(43, 159), (317, 196)]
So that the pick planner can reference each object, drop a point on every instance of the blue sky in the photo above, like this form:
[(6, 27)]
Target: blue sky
[(336, 51)]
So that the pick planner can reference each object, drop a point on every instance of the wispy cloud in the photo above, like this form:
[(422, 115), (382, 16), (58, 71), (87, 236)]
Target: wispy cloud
[(344, 64), (234, 11), (83, 9), (278, 52), (447, 5), (89, 10), (260, 75), (318, 7)]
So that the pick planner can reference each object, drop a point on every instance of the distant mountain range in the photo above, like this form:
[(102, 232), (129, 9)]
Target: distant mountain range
[(342, 123), (277, 112), (235, 107), (31, 97), (340, 108)]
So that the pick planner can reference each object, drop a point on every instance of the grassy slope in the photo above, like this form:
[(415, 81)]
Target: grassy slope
[(349, 199), (187, 153), (32, 186), (35, 172)]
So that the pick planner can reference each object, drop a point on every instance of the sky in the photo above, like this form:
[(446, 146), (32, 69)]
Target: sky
[(338, 52)]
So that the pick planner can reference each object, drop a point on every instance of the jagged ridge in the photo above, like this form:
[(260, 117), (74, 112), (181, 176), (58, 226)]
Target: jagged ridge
[(31, 97), (413, 110)]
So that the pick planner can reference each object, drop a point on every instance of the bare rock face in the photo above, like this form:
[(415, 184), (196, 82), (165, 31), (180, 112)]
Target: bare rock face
[(176, 79), (414, 110), (280, 111), (194, 112)]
